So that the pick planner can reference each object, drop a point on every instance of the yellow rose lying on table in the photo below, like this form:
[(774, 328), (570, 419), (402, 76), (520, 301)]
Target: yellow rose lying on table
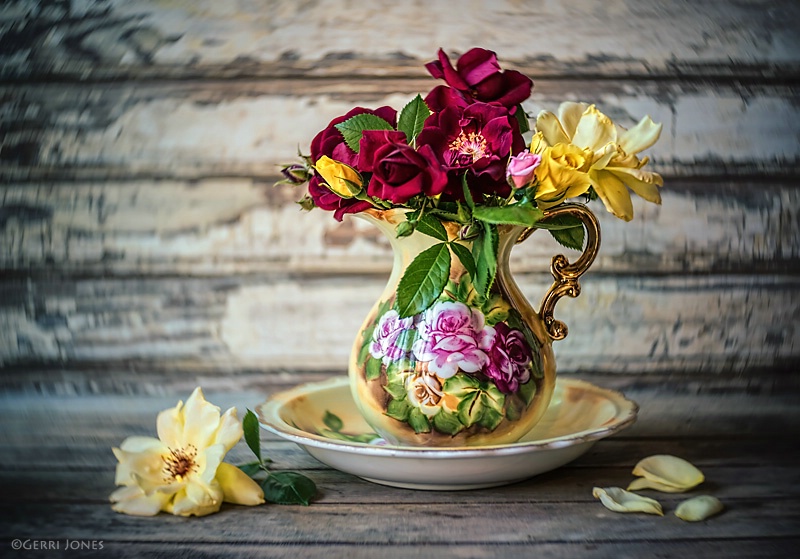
[(182, 471)]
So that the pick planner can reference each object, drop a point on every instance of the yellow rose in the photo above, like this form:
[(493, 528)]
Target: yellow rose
[(340, 178), (612, 150), (561, 173)]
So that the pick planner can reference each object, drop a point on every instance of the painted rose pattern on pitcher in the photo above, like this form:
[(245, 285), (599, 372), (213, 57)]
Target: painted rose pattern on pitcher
[(456, 365)]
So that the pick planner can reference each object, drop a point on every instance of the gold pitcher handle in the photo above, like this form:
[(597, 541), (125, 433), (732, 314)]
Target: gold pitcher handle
[(565, 275)]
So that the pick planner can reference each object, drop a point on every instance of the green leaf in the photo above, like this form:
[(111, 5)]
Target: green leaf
[(470, 409), (516, 214), (353, 128), (251, 433), (490, 419), (461, 385), (418, 421), (492, 398), (570, 238), (465, 257), (522, 119), (412, 118), (449, 216), (553, 223), (332, 421), (288, 488), (373, 368), (252, 468), (467, 194), (398, 409), (432, 227), (527, 391), (484, 250), (447, 423), (423, 280), (396, 390)]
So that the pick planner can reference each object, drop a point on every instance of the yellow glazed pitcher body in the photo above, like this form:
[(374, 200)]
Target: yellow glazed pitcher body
[(468, 370)]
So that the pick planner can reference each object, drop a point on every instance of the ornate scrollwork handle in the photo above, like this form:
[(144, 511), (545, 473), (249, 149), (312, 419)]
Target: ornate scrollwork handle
[(565, 275)]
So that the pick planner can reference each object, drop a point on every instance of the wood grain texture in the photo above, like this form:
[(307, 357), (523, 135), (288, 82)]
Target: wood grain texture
[(713, 323), (752, 469), (248, 128), (123, 38), (215, 227)]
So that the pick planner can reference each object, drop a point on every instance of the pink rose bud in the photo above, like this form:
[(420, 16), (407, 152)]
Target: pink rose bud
[(521, 167)]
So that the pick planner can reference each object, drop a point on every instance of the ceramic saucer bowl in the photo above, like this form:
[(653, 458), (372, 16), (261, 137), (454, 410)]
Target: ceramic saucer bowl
[(323, 419)]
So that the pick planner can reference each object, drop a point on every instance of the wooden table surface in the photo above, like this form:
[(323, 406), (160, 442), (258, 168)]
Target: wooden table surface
[(57, 471)]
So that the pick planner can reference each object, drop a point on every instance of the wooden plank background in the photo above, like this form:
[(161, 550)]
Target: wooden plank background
[(139, 141)]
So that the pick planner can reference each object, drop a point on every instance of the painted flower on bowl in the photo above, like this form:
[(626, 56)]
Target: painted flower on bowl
[(509, 363), (452, 336), (387, 338)]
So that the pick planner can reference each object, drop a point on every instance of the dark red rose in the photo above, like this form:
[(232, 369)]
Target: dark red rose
[(330, 141), (478, 138), (477, 77), (327, 200), (509, 359), (399, 172)]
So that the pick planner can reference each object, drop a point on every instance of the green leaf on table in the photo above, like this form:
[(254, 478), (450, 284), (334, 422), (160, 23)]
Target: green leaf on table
[(419, 421), (484, 250), (288, 488), (423, 280), (252, 468), (432, 227), (570, 238), (373, 368), (465, 257), (251, 433), (515, 214), (332, 421), (353, 128), (412, 118)]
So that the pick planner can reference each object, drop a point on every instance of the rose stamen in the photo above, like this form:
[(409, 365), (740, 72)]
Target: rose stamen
[(472, 145), (179, 462)]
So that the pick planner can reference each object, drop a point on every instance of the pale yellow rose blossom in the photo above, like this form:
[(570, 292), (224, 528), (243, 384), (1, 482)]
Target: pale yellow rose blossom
[(614, 166), (182, 471), (340, 178)]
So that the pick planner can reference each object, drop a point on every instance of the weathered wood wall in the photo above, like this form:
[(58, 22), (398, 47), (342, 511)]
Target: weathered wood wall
[(139, 141)]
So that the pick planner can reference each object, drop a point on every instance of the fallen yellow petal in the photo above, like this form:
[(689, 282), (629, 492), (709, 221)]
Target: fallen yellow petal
[(619, 500), (643, 483), (699, 508), (669, 470)]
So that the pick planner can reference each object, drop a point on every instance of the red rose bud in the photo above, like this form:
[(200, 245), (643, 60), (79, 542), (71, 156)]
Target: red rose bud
[(521, 167), (296, 173)]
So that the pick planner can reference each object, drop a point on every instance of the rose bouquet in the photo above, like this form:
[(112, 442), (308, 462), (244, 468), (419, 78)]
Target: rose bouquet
[(448, 347), (460, 155)]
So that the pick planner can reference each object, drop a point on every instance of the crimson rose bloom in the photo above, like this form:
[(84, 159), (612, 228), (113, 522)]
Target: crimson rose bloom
[(477, 77), (399, 172), (477, 138), (509, 359), (330, 142)]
